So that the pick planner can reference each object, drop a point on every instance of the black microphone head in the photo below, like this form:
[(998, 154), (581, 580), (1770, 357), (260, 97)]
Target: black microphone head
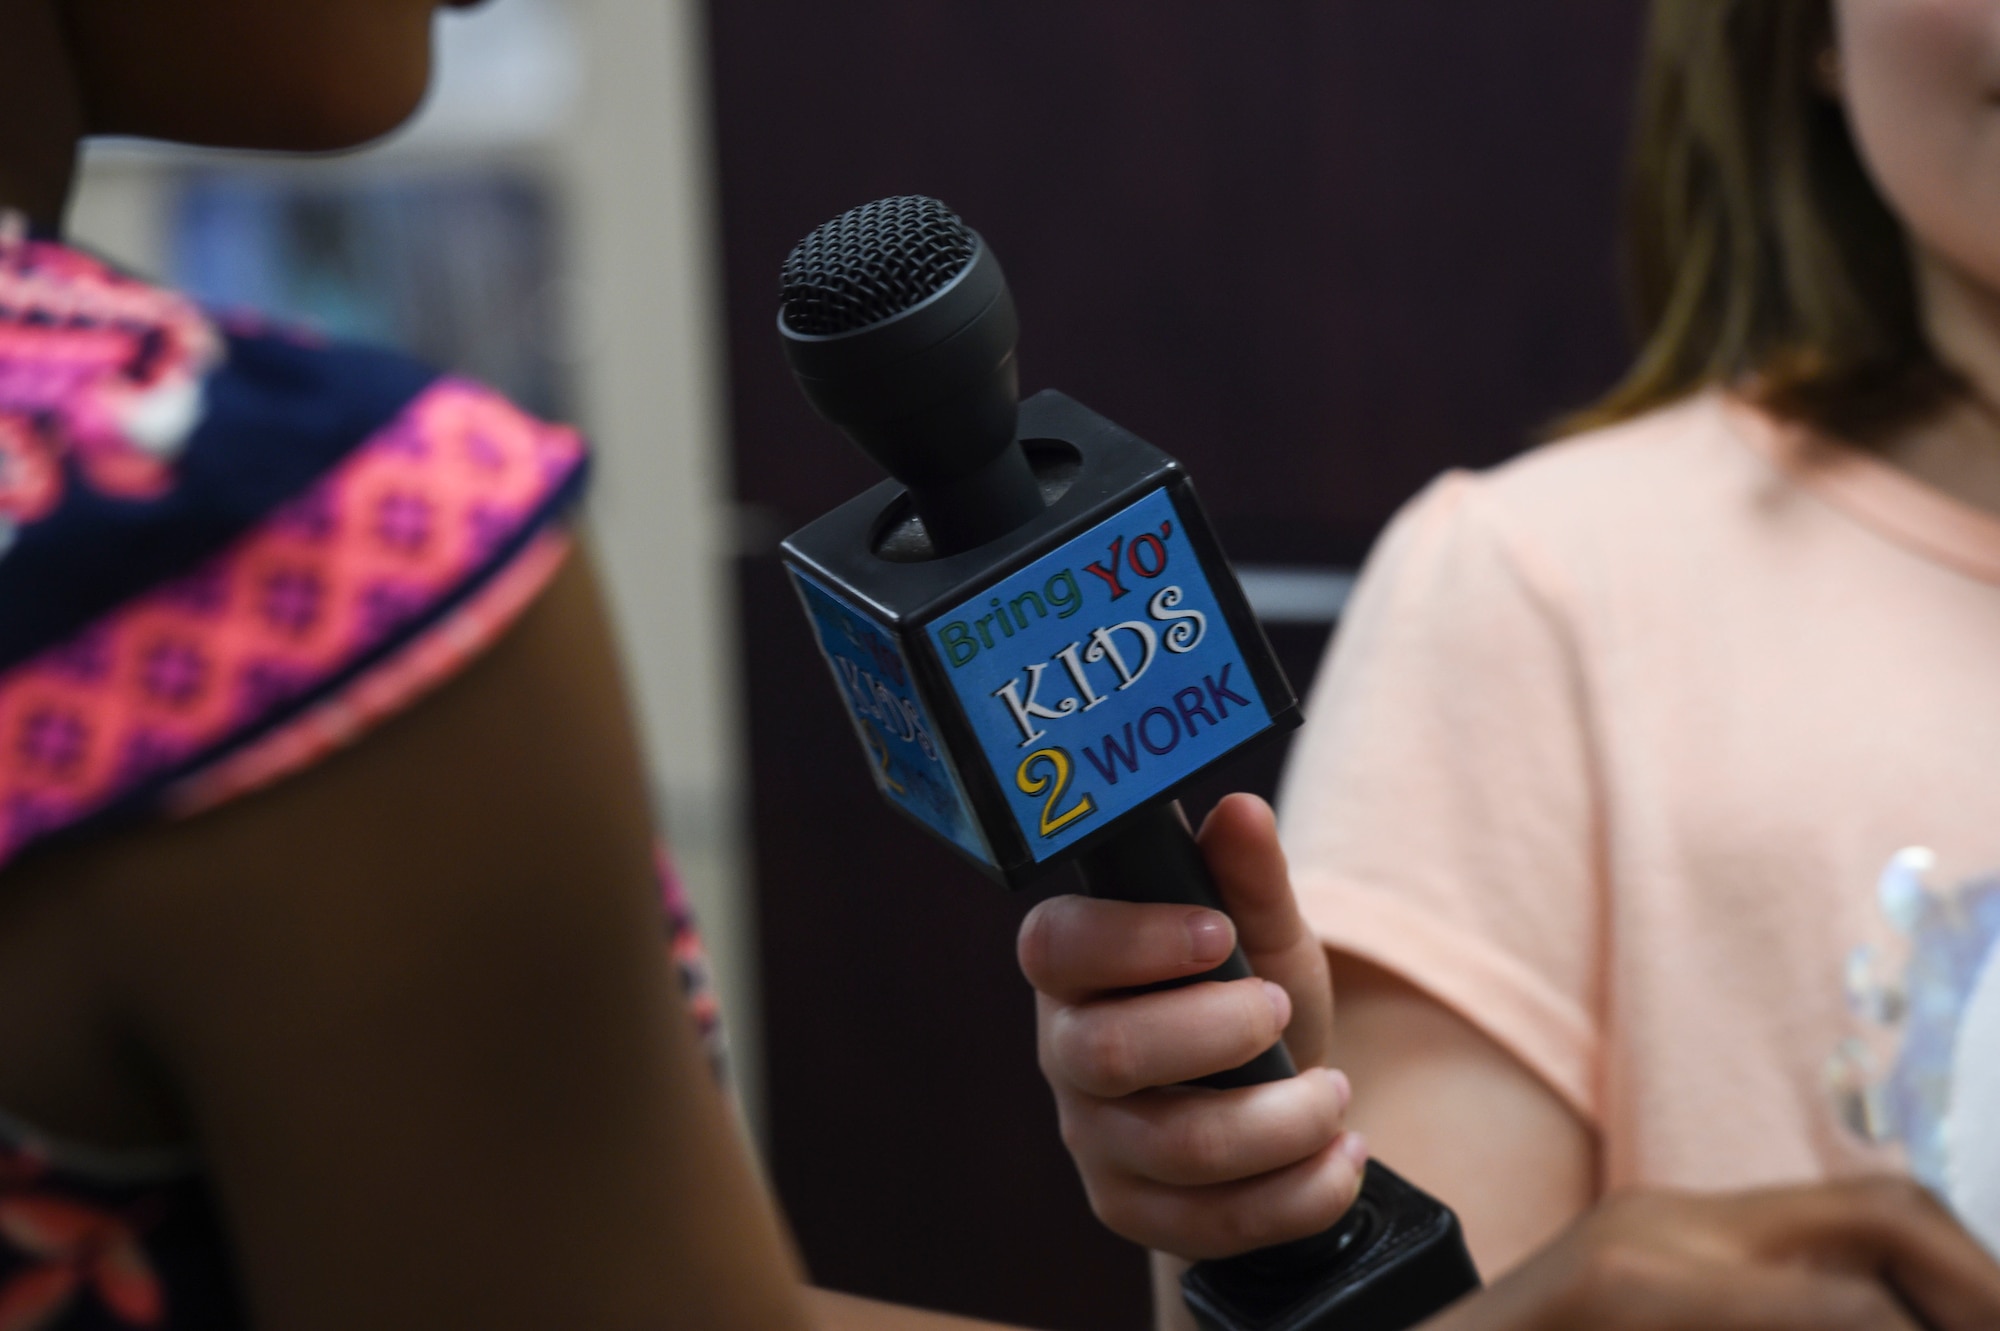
[(872, 263), (897, 321)]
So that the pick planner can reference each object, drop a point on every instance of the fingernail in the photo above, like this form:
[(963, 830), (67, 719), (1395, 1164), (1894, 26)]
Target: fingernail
[(1281, 1002), (1343, 1089), (1211, 937), (1355, 1147)]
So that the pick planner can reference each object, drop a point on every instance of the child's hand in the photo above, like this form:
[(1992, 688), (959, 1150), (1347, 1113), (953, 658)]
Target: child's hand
[(1195, 1172), (1862, 1255)]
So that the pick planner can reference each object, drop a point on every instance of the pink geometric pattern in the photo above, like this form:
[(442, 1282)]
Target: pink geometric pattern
[(400, 525), (421, 665)]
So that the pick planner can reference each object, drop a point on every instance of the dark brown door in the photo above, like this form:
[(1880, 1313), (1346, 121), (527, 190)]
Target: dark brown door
[(1319, 249)]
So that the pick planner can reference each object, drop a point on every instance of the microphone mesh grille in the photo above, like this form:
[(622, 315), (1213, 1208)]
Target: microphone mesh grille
[(871, 263)]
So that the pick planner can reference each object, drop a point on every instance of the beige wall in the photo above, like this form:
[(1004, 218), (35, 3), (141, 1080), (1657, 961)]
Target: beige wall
[(626, 149), (640, 182)]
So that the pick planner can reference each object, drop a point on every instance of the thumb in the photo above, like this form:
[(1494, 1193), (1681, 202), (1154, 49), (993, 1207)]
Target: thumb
[(1239, 841)]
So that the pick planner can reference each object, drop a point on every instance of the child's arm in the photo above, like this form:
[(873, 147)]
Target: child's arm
[(417, 1003), (1209, 1173), (1461, 1116), (417, 1006), (1203, 1174), (1433, 1095)]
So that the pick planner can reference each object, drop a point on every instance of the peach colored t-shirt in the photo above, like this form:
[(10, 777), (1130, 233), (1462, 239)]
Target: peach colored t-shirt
[(1669, 755)]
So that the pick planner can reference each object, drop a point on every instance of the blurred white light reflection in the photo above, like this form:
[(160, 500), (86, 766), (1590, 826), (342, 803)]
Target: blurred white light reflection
[(507, 74)]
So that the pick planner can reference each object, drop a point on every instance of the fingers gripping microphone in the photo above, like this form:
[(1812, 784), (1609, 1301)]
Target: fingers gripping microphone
[(1040, 642)]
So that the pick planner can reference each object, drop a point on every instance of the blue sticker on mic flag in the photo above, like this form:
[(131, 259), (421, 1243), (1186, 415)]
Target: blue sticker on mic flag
[(1100, 675), (910, 767)]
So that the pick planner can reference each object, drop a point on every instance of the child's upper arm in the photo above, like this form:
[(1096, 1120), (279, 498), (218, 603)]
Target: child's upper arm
[(1466, 1120), (1443, 817), (417, 1002)]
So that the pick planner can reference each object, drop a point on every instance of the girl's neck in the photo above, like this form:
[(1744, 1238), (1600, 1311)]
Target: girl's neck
[(1958, 450), (1962, 317), (41, 112)]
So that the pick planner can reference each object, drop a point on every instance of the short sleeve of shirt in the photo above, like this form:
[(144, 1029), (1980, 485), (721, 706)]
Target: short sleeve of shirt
[(1439, 811), (227, 550)]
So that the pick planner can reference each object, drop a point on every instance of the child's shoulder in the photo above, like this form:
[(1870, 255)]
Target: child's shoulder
[(1645, 508), (1694, 451), (224, 547), (1696, 466)]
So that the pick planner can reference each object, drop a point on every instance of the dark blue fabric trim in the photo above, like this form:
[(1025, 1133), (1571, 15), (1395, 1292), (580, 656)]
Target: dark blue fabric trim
[(279, 416)]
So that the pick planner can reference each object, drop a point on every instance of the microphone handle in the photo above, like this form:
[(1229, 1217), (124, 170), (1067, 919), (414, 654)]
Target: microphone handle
[(1153, 858), (1395, 1258)]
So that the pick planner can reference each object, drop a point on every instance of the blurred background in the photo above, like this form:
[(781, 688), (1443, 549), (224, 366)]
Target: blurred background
[(1319, 249)]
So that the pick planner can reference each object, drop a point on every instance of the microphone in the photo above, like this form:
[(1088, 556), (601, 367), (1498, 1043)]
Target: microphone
[(1040, 642), (900, 329)]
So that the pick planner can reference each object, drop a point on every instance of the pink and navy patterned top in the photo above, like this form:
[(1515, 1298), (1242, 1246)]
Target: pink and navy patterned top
[(224, 551)]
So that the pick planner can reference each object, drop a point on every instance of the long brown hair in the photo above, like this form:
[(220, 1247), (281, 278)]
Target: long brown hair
[(1761, 254)]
